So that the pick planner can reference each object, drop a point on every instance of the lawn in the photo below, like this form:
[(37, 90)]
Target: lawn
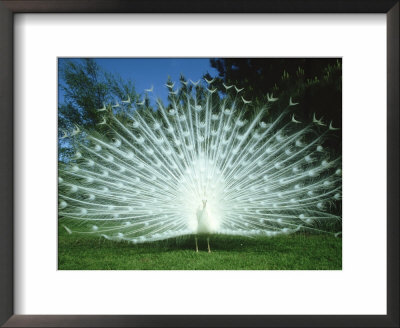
[(289, 252)]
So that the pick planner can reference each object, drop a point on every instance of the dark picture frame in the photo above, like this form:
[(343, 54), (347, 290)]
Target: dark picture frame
[(10, 7)]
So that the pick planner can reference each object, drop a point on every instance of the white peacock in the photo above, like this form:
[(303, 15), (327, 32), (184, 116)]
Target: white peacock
[(199, 167)]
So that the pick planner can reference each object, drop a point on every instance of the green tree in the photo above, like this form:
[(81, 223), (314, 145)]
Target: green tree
[(86, 88), (316, 84)]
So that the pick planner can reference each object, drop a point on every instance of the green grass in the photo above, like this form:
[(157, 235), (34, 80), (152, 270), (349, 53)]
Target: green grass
[(288, 252)]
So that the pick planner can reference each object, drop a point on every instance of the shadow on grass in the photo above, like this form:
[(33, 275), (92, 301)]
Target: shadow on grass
[(218, 243), (286, 252), (225, 243)]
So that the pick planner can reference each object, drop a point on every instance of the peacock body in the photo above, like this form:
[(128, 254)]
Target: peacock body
[(148, 174)]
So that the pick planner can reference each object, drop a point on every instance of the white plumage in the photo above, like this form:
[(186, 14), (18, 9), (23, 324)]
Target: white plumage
[(147, 178), (204, 222)]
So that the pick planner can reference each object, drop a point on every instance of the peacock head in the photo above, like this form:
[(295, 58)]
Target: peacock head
[(204, 203)]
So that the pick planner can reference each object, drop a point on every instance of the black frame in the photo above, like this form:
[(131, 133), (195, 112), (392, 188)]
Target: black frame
[(9, 7)]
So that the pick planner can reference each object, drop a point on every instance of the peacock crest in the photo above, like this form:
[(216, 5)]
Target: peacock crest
[(146, 175)]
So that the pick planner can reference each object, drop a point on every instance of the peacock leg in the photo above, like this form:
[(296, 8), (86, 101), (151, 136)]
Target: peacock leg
[(208, 244), (197, 248)]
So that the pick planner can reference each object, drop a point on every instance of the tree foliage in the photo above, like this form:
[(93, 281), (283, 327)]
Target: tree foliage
[(85, 88), (316, 84)]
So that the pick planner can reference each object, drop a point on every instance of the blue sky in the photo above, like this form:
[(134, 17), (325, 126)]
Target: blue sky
[(145, 72)]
